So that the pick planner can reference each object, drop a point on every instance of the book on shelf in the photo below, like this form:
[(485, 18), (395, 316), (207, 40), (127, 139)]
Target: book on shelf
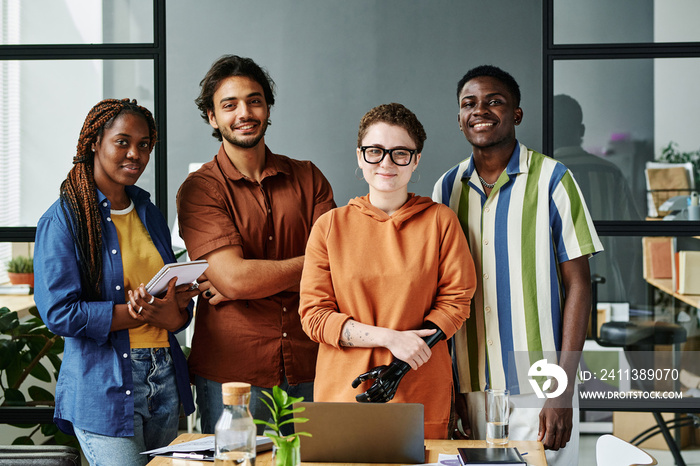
[(689, 272), (657, 262), (490, 456), (186, 272), (674, 264)]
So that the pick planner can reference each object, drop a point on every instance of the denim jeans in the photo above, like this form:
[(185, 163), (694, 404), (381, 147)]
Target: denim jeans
[(210, 402), (156, 413)]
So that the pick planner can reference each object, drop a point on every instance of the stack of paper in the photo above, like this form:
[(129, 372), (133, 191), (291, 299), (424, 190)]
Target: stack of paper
[(15, 289)]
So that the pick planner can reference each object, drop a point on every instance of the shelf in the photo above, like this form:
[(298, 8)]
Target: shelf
[(666, 285)]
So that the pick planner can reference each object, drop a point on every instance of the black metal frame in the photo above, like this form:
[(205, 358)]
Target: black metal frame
[(552, 52), (154, 51)]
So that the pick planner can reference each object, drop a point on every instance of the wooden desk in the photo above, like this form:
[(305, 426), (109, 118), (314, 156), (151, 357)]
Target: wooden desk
[(19, 303), (535, 452)]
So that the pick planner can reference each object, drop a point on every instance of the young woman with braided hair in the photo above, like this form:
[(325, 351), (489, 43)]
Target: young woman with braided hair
[(123, 375)]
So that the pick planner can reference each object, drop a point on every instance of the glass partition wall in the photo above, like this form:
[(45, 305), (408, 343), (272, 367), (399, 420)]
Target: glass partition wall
[(620, 98), (57, 59)]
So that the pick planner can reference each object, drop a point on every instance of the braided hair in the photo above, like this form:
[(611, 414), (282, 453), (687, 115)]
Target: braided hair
[(78, 194)]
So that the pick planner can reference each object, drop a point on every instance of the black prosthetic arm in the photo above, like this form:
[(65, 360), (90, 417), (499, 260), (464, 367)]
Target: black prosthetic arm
[(387, 378)]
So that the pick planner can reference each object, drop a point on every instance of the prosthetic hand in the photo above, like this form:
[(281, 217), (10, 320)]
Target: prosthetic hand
[(387, 378)]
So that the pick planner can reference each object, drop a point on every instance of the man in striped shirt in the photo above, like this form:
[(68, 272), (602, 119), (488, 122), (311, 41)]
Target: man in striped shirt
[(531, 235)]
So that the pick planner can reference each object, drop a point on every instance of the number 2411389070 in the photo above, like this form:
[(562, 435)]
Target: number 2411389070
[(630, 374)]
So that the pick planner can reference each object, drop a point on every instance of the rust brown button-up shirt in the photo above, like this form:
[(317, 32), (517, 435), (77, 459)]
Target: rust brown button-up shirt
[(257, 341)]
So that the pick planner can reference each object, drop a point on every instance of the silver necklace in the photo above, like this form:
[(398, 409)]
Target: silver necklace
[(485, 184)]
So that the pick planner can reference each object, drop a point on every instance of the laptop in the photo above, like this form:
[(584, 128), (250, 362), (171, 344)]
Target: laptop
[(362, 432)]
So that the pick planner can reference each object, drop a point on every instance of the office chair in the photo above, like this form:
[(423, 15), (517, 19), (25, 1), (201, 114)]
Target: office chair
[(635, 336), (613, 451), (638, 340)]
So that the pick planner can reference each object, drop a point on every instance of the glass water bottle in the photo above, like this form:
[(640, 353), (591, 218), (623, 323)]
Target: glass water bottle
[(235, 432)]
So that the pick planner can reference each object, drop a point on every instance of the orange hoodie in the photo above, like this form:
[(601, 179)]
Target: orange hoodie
[(388, 271)]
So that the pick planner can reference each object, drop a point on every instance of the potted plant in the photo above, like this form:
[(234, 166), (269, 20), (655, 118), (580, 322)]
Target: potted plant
[(671, 154), (29, 352), (20, 271), (285, 451)]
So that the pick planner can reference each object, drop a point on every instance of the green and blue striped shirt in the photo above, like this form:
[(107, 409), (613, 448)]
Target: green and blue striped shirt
[(534, 219)]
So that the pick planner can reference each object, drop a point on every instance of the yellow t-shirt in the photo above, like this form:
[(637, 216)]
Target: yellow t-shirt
[(141, 261)]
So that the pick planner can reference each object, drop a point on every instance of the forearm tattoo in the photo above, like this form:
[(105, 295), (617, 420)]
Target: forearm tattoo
[(347, 338)]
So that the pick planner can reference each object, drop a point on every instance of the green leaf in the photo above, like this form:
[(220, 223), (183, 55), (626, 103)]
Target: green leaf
[(43, 331), (8, 321), (272, 410), (35, 312), (13, 371), (25, 358), (24, 328), (57, 347), (267, 394), (8, 352), (280, 397), (272, 436), (34, 347), (293, 400), (299, 419), (39, 394), (40, 372), (23, 426), (14, 397), (265, 423), (286, 412), (289, 421), (24, 440), (55, 361), (49, 429)]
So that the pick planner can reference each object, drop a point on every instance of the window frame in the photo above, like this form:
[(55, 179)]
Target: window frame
[(154, 51), (552, 52)]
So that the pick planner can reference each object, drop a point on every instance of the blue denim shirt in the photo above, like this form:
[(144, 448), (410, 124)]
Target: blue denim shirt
[(95, 388)]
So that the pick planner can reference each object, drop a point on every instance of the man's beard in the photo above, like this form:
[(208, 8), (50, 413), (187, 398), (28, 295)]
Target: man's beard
[(247, 143)]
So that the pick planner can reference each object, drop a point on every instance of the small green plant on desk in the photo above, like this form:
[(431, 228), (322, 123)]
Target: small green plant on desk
[(286, 451), (24, 347)]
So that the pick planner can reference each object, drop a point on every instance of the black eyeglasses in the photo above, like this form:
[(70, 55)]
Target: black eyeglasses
[(374, 154)]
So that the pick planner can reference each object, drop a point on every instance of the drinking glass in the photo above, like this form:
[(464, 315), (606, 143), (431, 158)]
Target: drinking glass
[(497, 416)]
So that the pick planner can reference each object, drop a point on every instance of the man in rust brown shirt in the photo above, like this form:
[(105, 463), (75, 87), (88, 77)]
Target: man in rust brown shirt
[(248, 212)]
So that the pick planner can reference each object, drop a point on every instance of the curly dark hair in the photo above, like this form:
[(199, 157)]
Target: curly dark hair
[(78, 193), (393, 114), (492, 72), (225, 67)]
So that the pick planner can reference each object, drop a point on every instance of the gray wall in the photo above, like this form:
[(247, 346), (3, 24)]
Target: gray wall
[(333, 60)]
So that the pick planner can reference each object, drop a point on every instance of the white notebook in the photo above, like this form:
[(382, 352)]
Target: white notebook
[(186, 272)]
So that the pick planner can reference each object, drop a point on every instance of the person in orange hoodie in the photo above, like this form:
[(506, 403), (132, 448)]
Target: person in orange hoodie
[(382, 276)]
